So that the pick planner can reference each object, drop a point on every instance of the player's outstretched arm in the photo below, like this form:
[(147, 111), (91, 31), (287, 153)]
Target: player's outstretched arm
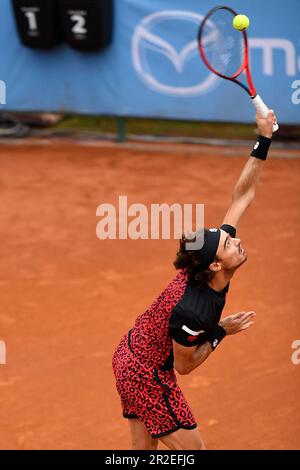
[(244, 190)]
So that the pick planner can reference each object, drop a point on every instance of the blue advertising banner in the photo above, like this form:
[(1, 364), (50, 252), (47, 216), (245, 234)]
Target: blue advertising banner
[(152, 67)]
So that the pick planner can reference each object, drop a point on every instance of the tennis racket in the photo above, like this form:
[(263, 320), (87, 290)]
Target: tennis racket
[(225, 51)]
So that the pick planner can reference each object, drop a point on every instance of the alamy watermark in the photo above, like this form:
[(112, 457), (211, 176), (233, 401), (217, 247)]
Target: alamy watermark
[(137, 221), (295, 358), (296, 94), (2, 352), (2, 92)]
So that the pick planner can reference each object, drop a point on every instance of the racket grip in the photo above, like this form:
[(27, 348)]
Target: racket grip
[(262, 109)]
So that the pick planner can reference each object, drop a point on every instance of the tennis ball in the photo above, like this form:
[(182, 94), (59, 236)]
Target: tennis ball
[(241, 22)]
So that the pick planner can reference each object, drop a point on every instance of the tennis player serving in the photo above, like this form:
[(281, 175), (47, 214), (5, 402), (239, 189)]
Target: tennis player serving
[(182, 327)]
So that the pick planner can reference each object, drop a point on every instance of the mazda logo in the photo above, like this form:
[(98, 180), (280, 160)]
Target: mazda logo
[(147, 38)]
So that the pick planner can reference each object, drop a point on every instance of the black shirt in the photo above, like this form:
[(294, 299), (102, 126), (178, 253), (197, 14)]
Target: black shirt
[(199, 311)]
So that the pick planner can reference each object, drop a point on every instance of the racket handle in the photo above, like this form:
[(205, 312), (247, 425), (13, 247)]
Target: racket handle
[(262, 109)]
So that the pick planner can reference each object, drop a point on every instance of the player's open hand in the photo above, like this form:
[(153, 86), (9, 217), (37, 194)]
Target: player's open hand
[(239, 322), (265, 124)]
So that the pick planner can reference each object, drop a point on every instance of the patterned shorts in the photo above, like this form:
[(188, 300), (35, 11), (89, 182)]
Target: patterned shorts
[(150, 395)]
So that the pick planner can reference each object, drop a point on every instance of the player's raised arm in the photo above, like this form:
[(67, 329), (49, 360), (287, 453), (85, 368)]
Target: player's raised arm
[(244, 190)]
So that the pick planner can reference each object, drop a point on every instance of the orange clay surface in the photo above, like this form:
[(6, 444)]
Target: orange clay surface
[(66, 297)]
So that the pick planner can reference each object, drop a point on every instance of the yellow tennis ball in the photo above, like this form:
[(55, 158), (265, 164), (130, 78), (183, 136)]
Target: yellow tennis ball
[(241, 22)]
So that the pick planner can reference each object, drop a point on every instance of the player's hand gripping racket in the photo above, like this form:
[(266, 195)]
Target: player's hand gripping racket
[(225, 52)]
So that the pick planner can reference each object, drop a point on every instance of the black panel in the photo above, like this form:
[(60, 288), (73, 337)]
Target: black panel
[(37, 22), (87, 24)]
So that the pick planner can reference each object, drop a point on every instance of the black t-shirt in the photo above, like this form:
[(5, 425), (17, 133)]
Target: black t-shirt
[(199, 311)]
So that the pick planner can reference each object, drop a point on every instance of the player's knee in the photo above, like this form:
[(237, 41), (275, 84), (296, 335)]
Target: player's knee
[(141, 443), (202, 446), (198, 444), (154, 444)]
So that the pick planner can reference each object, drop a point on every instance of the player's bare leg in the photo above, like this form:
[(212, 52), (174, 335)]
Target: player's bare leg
[(141, 439), (183, 439)]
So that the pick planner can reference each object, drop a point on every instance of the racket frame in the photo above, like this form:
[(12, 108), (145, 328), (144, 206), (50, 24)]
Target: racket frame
[(258, 103)]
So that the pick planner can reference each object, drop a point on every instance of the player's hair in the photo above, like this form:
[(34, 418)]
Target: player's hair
[(189, 260)]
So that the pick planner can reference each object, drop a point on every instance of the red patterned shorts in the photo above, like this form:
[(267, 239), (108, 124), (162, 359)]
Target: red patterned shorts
[(150, 395)]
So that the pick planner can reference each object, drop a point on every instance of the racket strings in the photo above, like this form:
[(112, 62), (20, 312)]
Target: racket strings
[(222, 45)]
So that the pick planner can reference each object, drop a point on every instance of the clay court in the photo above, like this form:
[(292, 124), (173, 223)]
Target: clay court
[(67, 297)]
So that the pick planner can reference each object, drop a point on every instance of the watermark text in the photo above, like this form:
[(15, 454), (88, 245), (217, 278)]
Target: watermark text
[(296, 94), (2, 352), (161, 221), (2, 92), (295, 358)]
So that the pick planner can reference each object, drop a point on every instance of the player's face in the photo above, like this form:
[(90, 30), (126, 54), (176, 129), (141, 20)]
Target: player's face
[(230, 251)]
